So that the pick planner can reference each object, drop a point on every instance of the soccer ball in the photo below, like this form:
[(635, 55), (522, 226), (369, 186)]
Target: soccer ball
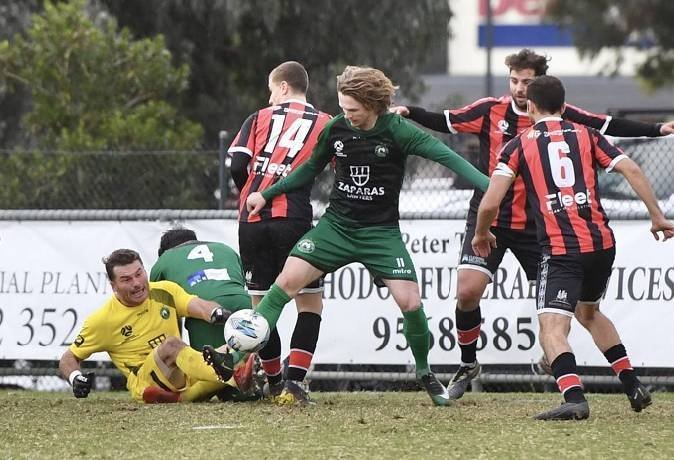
[(246, 330)]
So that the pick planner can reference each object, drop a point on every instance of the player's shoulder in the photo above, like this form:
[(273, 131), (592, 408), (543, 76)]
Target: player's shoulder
[(164, 286)]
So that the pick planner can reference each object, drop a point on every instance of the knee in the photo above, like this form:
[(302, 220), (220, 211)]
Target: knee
[(288, 283), (410, 302), (468, 296), (169, 349), (585, 316)]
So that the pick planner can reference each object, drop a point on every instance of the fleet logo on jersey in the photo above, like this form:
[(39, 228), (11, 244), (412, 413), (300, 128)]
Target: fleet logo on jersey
[(381, 151), (503, 126), (360, 175), (126, 331), (165, 313), (262, 165), (306, 245), (339, 147), (560, 201)]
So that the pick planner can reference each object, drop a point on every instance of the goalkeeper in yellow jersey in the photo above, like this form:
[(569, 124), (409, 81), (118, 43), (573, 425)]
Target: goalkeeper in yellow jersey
[(138, 328)]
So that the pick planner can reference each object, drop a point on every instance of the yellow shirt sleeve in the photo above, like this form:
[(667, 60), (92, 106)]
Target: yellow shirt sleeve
[(179, 298), (92, 337)]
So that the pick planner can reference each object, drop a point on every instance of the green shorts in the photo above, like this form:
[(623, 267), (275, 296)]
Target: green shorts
[(381, 250), (204, 333)]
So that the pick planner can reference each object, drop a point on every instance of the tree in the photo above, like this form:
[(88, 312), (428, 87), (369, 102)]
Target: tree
[(600, 24), (94, 87), (231, 45)]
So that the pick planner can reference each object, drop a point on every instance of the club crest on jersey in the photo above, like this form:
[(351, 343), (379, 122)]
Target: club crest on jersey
[(164, 312), (381, 151), (306, 245), (339, 148), (360, 175), (503, 126)]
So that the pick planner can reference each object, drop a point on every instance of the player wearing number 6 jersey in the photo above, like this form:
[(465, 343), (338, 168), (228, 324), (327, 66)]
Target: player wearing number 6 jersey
[(369, 148), (557, 162), (271, 143), (496, 121)]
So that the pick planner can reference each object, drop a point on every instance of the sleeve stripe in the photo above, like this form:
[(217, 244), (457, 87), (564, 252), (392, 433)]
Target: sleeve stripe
[(449, 123), (615, 161), (606, 123), (245, 150)]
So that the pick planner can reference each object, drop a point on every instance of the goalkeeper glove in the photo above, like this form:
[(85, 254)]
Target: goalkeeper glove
[(81, 384), (219, 316)]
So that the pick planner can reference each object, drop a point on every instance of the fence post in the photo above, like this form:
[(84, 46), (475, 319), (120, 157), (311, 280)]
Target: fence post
[(223, 176)]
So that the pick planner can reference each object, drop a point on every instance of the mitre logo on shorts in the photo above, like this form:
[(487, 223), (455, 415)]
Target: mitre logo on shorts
[(360, 175), (306, 245)]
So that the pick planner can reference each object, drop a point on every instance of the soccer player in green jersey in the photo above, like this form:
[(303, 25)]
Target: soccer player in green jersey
[(369, 147), (212, 271)]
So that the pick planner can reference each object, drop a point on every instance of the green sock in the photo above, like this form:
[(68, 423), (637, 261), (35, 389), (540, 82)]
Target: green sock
[(415, 329), (272, 305)]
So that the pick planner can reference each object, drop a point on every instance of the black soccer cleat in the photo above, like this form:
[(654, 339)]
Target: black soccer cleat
[(567, 411), (640, 398), (459, 383), (222, 363), (294, 393), (435, 389)]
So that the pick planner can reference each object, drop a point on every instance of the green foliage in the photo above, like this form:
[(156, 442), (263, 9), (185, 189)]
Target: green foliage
[(95, 87), (601, 24), (231, 45)]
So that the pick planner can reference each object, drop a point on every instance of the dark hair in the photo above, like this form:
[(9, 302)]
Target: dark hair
[(294, 74), (120, 257), (527, 59), (175, 236), (547, 92)]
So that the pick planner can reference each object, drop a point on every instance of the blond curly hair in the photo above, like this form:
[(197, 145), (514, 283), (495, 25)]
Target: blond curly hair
[(368, 86)]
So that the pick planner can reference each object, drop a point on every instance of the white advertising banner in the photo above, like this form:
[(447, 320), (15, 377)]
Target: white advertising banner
[(51, 277)]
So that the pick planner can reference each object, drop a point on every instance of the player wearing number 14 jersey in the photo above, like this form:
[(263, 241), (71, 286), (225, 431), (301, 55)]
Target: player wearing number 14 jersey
[(271, 143), (557, 162)]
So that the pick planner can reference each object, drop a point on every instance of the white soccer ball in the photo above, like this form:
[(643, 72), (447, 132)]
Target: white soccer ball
[(246, 330)]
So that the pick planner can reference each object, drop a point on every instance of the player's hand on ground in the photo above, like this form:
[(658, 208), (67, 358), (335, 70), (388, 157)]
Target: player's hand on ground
[(82, 384), (400, 110), (664, 226), (219, 315), (667, 128), (254, 203), (482, 244)]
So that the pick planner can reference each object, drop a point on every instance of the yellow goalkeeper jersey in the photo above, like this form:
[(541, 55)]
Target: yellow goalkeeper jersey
[(129, 334)]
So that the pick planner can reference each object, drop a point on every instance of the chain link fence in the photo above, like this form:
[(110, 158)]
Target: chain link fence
[(161, 181)]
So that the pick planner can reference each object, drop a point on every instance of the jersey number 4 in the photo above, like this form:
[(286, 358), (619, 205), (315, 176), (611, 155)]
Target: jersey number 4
[(292, 138), (201, 251)]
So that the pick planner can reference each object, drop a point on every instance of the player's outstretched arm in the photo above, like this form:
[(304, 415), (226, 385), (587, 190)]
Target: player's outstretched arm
[(639, 183), (484, 240), (207, 310), (69, 365), (667, 128)]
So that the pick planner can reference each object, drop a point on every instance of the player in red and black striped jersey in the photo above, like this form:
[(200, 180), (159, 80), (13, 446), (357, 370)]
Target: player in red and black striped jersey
[(557, 162), (271, 143), (496, 121)]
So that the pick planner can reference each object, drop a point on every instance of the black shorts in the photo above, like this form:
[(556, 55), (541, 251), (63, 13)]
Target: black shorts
[(264, 248), (566, 280), (522, 243)]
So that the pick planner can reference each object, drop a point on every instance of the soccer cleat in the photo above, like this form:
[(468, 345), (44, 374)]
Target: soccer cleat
[(222, 363), (243, 374), (567, 411), (435, 389), (294, 393), (157, 395), (640, 398), (459, 383), (272, 391)]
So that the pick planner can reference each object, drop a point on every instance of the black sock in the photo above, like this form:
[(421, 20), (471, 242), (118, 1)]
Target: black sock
[(617, 358), (303, 344), (272, 352), (566, 374), (468, 331)]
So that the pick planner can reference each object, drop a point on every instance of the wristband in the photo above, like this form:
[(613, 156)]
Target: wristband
[(72, 376)]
